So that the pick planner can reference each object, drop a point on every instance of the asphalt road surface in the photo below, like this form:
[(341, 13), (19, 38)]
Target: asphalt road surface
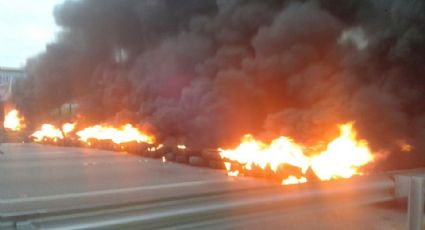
[(50, 187)]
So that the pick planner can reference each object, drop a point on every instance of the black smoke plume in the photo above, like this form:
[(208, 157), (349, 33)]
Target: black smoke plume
[(206, 72)]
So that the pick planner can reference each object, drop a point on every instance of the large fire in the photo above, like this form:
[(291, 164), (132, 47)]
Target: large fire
[(47, 132), (342, 158), (13, 121), (281, 151), (52, 133), (126, 133)]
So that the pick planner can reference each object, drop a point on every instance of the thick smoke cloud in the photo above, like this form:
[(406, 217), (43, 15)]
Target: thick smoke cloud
[(207, 72)]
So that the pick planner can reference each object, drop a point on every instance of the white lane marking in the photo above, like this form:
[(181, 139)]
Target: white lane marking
[(111, 191)]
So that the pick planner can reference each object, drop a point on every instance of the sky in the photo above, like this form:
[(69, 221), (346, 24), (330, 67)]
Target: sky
[(26, 27)]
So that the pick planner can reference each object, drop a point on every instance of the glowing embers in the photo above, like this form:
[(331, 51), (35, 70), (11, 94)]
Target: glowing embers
[(343, 157), (124, 134), (14, 121), (182, 147)]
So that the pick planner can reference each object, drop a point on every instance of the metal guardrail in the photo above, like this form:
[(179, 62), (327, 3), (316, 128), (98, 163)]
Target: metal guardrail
[(411, 185), (416, 203), (360, 191)]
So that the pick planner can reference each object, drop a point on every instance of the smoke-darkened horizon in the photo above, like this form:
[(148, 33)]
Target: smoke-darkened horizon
[(208, 72)]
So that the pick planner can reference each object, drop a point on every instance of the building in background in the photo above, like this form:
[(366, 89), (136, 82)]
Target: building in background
[(7, 77)]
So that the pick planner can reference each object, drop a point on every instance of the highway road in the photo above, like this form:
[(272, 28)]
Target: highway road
[(51, 187), (30, 170)]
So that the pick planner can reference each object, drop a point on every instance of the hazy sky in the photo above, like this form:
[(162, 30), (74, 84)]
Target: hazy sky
[(26, 27)]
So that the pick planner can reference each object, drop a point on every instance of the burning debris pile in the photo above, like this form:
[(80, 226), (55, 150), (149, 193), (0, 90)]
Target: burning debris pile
[(13, 121), (124, 134), (47, 132), (342, 157), (205, 73), (282, 159), (124, 138)]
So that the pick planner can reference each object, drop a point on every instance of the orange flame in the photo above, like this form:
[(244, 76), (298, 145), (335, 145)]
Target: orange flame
[(68, 128), (49, 132), (281, 151), (294, 180), (13, 121), (126, 133), (342, 158), (230, 172), (155, 148), (182, 147), (406, 147)]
